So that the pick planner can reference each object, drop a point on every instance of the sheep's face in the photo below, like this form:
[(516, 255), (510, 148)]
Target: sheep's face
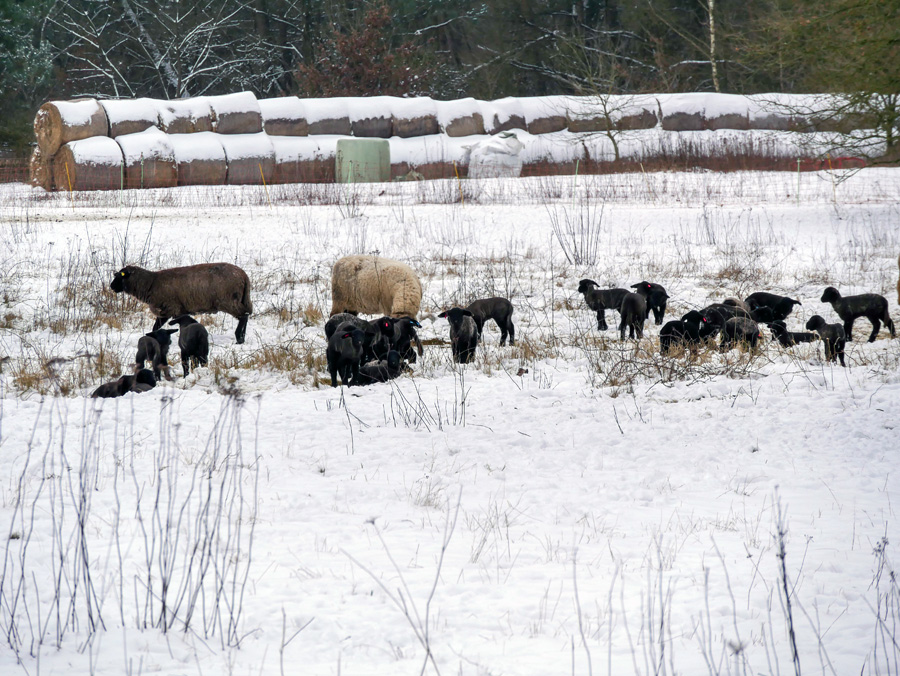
[(586, 285), (815, 323), (393, 360), (386, 325), (693, 317), (455, 316), (162, 336), (355, 336), (118, 282), (830, 295)]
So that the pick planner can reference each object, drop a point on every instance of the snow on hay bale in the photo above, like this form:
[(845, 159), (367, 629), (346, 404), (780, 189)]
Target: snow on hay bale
[(596, 113), (58, 122), (545, 114), (250, 157), (304, 159), (185, 116), (696, 112), (149, 159), (328, 116), (371, 117), (503, 115), (236, 113), (284, 116), (199, 158), (130, 116), (461, 117), (415, 117), (40, 169), (94, 163)]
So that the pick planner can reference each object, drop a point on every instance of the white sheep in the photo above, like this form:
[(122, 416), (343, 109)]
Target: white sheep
[(374, 285)]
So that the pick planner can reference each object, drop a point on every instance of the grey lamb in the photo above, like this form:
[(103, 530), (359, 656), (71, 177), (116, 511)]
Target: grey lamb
[(496, 308), (463, 334), (832, 335), (193, 342), (634, 313), (601, 300), (194, 289), (869, 305)]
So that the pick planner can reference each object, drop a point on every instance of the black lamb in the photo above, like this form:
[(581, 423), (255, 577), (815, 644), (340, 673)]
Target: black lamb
[(463, 334), (740, 331), (714, 318), (780, 306), (869, 305), (154, 347), (684, 331), (343, 355), (634, 313), (382, 370), (788, 338), (498, 309), (193, 342), (832, 335), (656, 298), (404, 336), (142, 381), (601, 300)]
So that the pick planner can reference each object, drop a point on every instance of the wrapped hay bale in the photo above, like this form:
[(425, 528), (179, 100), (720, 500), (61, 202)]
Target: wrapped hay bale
[(502, 115), (328, 116), (58, 122), (40, 170), (414, 117), (236, 113), (304, 159), (726, 111), (461, 117), (94, 163), (149, 159), (250, 157), (371, 116), (199, 158), (545, 114), (496, 157), (284, 116), (185, 116), (130, 116)]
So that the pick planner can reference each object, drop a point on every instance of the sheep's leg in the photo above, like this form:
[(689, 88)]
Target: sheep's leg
[(504, 333), (332, 371), (159, 322), (848, 328), (840, 353), (876, 327), (240, 333), (185, 365), (659, 312), (512, 332), (601, 320), (889, 323)]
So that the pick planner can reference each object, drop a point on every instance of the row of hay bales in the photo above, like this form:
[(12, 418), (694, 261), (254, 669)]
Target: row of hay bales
[(236, 139)]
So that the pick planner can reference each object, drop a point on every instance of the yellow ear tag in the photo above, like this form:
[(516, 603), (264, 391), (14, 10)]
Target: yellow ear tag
[(122, 273)]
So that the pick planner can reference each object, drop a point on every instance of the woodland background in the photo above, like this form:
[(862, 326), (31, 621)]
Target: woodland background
[(440, 48)]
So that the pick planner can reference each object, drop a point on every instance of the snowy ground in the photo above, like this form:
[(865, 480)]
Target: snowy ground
[(608, 511)]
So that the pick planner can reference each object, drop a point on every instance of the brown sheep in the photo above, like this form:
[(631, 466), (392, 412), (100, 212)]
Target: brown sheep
[(194, 289)]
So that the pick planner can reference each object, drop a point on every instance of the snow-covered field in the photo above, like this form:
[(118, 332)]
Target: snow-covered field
[(572, 504)]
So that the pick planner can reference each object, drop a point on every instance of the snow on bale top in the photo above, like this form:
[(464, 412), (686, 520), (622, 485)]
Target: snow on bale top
[(371, 116), (284, 116), (201, 146), (546, 114), (129, 116), (149, 159), (328, 116), (502, 115), (415, 117), (185, 116), (250, 158), (461, 117), (237, 113), (93, 163), (59, 122)]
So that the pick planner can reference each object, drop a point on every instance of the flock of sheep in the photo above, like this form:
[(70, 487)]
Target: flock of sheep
[(361, 352)]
